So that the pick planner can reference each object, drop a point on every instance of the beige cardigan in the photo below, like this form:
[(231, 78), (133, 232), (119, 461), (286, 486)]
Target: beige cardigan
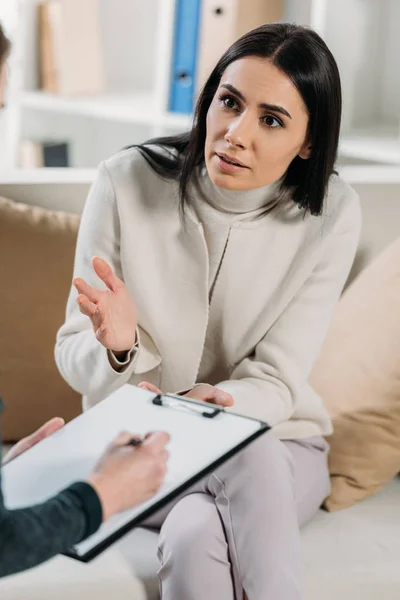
[(278, 286)]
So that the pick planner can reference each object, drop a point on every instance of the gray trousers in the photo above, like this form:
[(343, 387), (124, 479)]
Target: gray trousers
[(238, 530)]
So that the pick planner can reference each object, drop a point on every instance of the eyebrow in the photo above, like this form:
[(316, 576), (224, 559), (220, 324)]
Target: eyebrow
[(273, 107)]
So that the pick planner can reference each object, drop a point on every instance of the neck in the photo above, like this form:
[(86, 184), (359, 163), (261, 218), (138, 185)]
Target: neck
[(239, 201)]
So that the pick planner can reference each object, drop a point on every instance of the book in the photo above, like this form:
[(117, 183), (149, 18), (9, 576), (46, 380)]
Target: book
[(56, 154), (70, 49), (223, 22), (184, 56), (30, 155), (34, 154), (48, 79)]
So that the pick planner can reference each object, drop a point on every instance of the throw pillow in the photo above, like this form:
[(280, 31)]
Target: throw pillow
[(358, 378), (37, 249)]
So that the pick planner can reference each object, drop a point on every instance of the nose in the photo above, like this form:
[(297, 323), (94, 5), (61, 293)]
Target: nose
[(239, 133)]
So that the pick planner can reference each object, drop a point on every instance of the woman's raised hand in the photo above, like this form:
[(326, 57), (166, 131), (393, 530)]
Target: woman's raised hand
[(113, 311)]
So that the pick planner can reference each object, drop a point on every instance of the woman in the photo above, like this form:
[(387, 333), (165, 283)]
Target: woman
[(124, 477), (223, 254)]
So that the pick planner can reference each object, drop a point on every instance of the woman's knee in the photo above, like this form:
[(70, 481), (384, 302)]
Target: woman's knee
[(192, 526), (263, 457)]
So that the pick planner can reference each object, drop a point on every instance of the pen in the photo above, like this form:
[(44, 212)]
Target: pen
[(135, 442)]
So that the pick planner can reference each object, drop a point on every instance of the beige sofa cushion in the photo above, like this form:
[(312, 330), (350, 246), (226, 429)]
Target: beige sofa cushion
[(358, 377), (37, 251)]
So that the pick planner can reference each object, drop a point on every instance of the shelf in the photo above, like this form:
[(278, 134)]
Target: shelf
[(382, 145), (128, 108), (370, 174), (47, 176)]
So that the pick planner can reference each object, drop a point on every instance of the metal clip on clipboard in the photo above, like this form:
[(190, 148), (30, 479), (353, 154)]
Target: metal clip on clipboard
[(193, 407)]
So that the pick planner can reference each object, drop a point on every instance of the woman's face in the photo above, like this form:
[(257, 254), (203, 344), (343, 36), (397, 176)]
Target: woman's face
[(3, 81), (257, 117)]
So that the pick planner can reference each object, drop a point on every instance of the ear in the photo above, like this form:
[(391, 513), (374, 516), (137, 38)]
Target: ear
[(305, 150)]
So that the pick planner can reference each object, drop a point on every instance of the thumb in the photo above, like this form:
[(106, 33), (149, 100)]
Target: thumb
[(25, 444), (105, 273), (150, 387), (222, 398), (157, 440), (45, 430)]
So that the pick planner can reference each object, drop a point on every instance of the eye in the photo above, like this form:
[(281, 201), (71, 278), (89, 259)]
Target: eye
[(228, 101), (272, 122)]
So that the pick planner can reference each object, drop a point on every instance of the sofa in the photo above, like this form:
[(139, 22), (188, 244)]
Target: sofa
[(350, 554)]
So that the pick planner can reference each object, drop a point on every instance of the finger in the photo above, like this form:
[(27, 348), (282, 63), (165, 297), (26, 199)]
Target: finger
[(149, 386), (87, 290), (157, 440), (104, 271), (124, 437), (85, 306), (197, 393), (211, 394), (51, 427), (222, 398), (16, 450), (44, 431), (203, 392)]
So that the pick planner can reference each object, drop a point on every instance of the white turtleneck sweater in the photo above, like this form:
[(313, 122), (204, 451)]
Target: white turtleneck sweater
[(218, 209), (230, 300)]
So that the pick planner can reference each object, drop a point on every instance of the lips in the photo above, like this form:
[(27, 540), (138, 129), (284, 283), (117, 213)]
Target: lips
[(231, 159)]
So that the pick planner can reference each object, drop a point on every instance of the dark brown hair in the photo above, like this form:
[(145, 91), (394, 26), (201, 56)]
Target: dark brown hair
[(304, 57), (5, 45)]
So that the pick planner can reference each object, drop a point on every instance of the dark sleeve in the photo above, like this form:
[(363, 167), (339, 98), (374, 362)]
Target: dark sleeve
[(29, 536)]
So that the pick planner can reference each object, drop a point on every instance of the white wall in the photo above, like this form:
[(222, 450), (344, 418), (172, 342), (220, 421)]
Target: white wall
[(381, 219), (363, 37), (390, 65)]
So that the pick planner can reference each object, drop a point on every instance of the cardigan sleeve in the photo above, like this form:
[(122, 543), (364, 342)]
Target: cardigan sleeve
[(267, 384), (83, 362)]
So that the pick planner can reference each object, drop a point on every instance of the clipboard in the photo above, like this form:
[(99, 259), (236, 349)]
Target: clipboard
[(203, 436)]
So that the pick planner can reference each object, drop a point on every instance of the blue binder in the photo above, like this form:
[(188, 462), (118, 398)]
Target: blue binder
[(184, 56)]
